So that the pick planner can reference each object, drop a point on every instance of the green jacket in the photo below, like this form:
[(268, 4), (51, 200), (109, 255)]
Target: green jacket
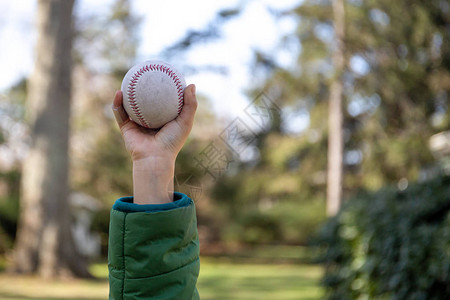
[(153, 250)]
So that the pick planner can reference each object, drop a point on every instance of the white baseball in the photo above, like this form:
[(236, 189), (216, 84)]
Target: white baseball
[(153, 93)]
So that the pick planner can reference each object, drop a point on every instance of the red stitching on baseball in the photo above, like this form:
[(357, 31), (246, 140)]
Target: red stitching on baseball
[(135, 78)]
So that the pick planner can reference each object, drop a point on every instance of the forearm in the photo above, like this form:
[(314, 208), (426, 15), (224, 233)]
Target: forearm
[(153, 180)]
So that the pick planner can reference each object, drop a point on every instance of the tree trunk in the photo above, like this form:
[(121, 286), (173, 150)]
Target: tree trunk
[(335, 115), (44, 242)]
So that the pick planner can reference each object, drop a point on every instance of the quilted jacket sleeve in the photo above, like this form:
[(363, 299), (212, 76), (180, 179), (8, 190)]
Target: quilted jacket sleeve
[(153, 250)]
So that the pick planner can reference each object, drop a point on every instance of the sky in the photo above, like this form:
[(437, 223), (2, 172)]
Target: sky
[(254, 28)]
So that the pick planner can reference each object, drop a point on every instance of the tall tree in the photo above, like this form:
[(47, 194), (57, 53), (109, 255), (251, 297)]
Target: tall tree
[(44, 242), (335, 114)]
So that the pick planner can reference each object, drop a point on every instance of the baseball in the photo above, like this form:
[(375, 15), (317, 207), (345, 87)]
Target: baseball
[(153, 93)]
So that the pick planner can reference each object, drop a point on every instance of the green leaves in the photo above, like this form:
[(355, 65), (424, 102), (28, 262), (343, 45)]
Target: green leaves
[(390, 244)]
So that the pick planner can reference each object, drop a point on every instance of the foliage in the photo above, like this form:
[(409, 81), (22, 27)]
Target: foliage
[(395, 52), (112, 50), (101, 165), (12, 114), (100, 225), (396, 86), (390, 244), (285, 223), (265, 201), (9, 209)]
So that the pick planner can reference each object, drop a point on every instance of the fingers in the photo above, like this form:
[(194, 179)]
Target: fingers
[(119, 112), (174, 134), (186, 117)]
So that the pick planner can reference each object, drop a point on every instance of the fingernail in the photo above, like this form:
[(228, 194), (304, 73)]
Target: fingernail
[(193, 90)]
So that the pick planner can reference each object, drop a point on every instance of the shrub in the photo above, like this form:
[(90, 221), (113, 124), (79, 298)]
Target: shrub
[(9, 208), (9, 212), (287, 222), (390, 244)]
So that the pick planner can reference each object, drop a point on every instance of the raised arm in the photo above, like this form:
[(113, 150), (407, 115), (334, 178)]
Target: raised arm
[(153, 239)]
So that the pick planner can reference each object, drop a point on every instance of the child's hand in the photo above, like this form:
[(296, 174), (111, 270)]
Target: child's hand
[(154, 151)]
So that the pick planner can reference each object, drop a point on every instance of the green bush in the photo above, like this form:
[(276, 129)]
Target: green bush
[(390, 245), (9, 212), (9, 209), (287, 222)]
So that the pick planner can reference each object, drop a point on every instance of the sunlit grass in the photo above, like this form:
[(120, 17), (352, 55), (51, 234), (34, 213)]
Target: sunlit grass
[(219, 279), (26, 288), (224, 280)]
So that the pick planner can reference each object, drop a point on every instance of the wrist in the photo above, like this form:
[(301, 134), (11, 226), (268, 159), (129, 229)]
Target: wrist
[(153, 180)]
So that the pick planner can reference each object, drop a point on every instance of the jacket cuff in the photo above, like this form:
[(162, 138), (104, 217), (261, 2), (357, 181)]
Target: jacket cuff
[(125, 204), (154, 255)]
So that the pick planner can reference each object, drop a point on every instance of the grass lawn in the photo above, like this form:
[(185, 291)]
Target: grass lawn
[(223, 280), (219, 279)]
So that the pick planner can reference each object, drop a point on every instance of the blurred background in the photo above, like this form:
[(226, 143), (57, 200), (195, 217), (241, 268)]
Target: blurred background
[(319, 160)]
